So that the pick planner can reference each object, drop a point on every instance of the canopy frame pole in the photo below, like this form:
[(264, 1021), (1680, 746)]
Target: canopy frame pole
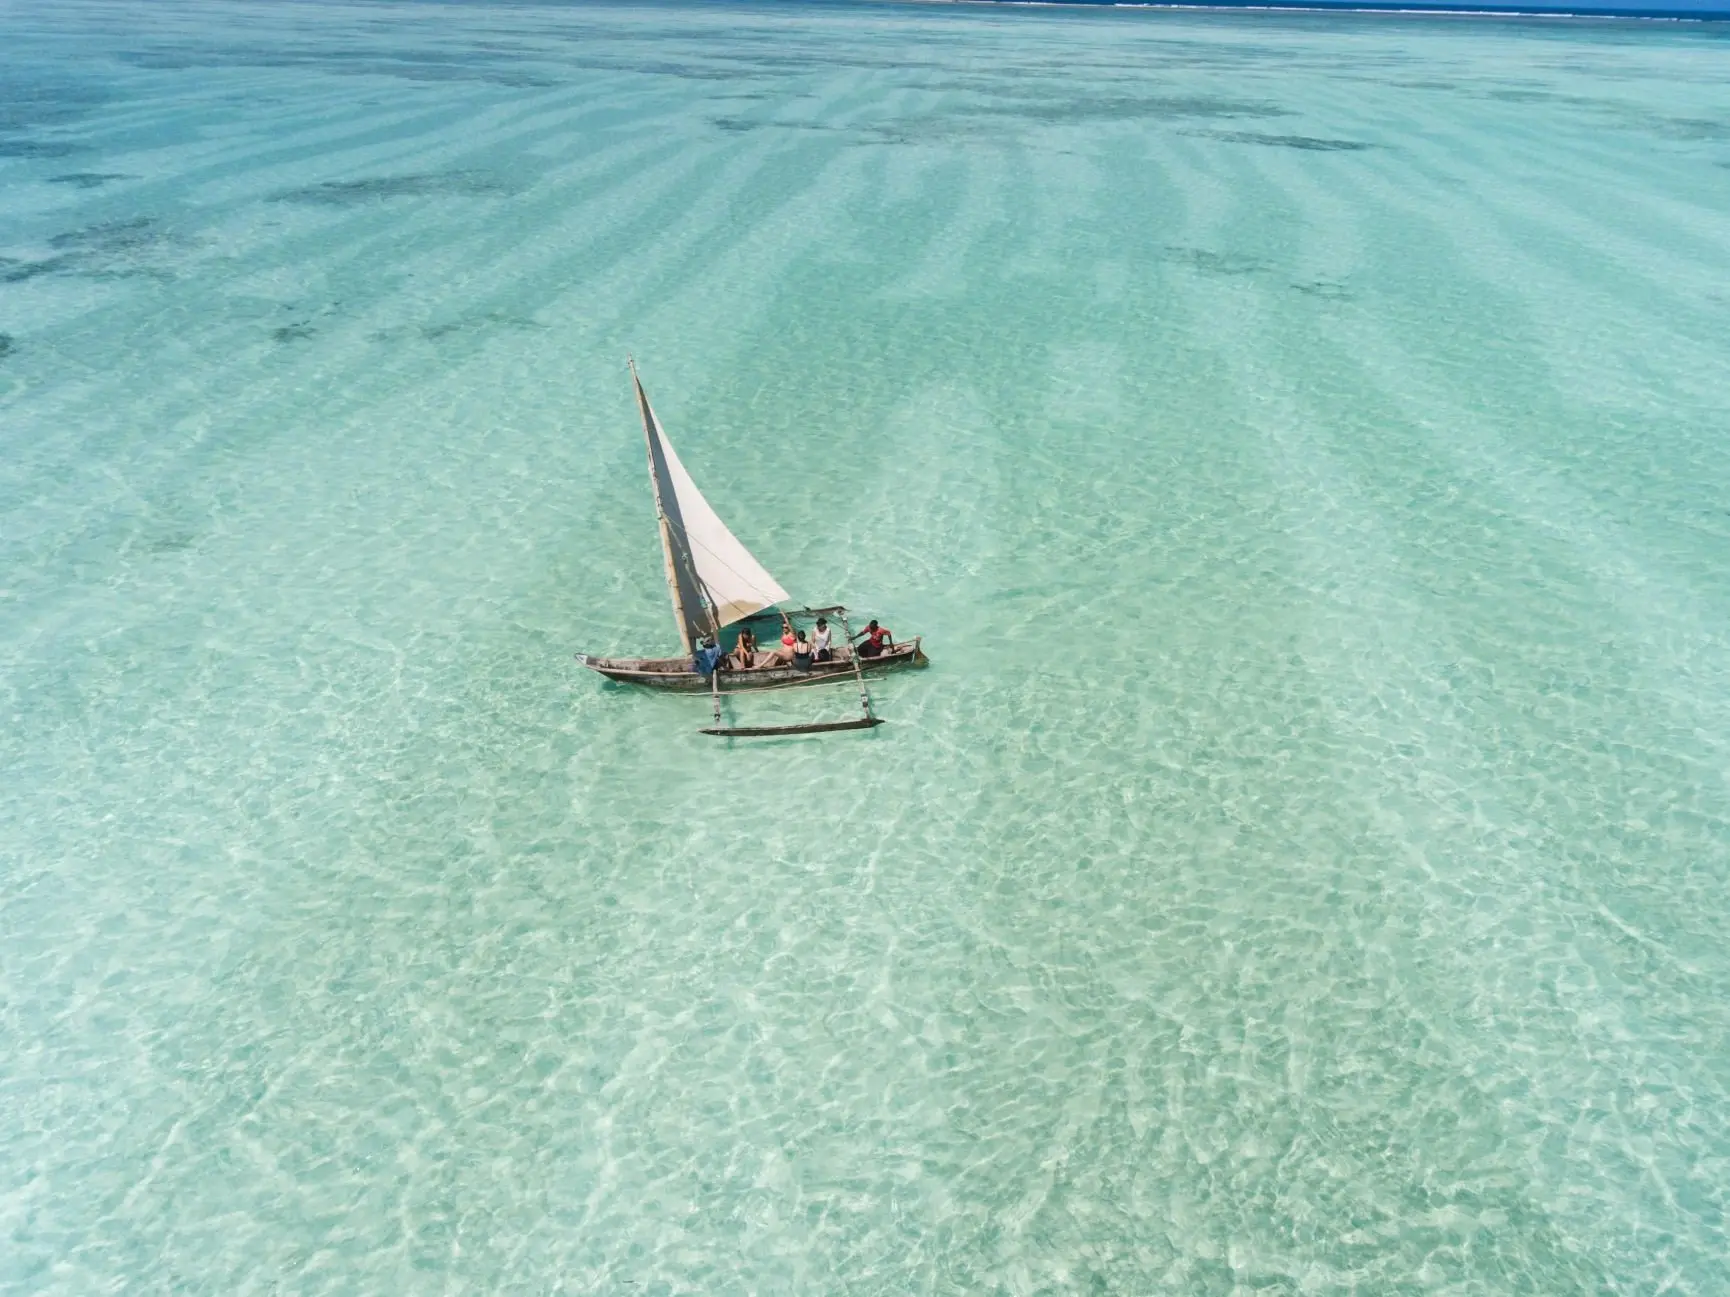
[(858, 673)]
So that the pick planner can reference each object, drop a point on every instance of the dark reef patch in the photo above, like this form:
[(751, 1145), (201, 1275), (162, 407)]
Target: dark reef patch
[(13, 271), (33, 103), (1061, 110), (1051, 107), (109, 250), (139, 234), (1308, 143), (1326, 289), (89, 179), (437, 184), (1217, 263), (424, 65), (1532, 95), (7, 346), (173, 542), (28, 148), (293, 333), (932, 130), (444, 329), (486, 319), (662, 68), (1691, 128), (742, 124)]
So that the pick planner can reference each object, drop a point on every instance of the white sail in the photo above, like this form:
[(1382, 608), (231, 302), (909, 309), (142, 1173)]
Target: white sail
[(735, 582), (714, 580)]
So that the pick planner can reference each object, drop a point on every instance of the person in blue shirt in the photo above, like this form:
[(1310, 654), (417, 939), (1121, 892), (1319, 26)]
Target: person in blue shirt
[(707, 657)]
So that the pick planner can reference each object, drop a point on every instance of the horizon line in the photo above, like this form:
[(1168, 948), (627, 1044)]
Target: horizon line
[(1445, 10)]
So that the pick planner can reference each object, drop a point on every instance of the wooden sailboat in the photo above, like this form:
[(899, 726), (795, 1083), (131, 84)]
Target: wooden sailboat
[(718, 586)]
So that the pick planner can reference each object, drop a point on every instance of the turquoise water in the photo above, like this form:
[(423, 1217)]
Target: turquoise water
[(1300, 440)]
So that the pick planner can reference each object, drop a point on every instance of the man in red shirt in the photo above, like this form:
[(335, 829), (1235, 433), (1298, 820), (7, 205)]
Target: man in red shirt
[(872, 644)]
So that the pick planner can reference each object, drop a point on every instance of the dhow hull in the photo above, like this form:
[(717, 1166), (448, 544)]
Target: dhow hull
[(676, 675)]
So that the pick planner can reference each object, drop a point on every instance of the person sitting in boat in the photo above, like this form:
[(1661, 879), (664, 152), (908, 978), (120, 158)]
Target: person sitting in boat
[(872, 639), (801, 651), (820, 646), (745, 650), (784, 654)]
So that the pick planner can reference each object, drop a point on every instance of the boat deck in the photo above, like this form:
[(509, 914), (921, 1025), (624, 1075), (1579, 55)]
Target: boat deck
[(678, 674)]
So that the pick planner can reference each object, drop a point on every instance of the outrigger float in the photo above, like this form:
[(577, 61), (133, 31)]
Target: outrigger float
[(717, 584)]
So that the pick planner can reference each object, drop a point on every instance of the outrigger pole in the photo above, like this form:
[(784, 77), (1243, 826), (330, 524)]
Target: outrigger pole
[(772, 731), (858, 671)]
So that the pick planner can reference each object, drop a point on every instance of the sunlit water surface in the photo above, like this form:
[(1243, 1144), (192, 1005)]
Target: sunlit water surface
[(1300, 440)]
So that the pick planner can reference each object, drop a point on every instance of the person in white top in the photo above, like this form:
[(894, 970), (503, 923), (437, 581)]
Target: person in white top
[(820, 641)]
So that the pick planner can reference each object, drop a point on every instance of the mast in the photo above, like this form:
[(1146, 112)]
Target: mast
[(681, 582), (714, 581)]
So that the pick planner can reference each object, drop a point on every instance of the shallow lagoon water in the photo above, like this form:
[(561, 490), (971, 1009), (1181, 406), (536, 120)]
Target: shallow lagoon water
[(1300, 440)]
